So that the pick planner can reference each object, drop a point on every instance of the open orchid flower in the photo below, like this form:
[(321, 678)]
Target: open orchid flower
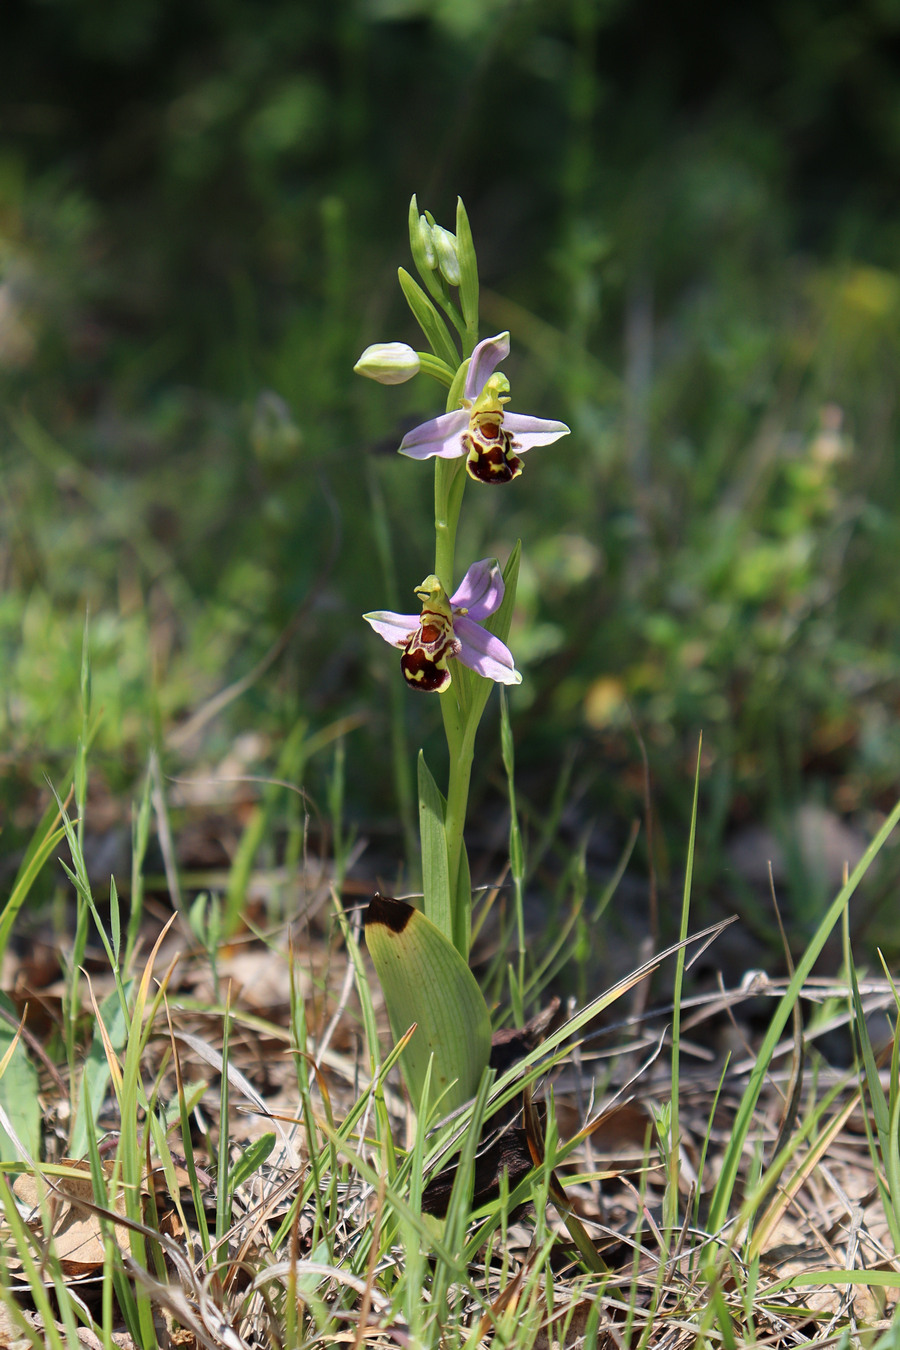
[(449, 629), (481, 429)]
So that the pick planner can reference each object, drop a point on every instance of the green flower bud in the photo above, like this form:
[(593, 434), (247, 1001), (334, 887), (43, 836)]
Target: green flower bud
[(447, 255), (388, 363), (427, 237)]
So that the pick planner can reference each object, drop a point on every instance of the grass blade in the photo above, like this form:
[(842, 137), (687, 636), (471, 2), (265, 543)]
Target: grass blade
[(722, 1196)]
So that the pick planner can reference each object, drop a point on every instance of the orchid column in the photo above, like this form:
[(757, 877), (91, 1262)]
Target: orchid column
[(476, 438)]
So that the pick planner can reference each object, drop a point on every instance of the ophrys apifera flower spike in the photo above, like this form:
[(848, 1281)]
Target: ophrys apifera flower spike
[(448, 629), (455, 647), (491, 439)]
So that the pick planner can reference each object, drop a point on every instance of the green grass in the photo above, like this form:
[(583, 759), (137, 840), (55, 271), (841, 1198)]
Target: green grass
[(312, 1224)]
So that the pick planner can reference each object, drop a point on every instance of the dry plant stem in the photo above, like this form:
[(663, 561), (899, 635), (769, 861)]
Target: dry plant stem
[(346, 990)]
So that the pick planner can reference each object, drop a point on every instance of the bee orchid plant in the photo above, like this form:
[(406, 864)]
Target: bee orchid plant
[(455, 648)]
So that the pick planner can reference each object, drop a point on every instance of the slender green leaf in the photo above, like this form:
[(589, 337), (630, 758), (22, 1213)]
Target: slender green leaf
[(880, 1108), (437, 904), (460, 1205), (223, 1194), (35, 1273), (140, 838), (670, 1202), (95, 1078), (18, 1090), (428, 319), (43, 844), (468, 269), (478, 689), (39, 838), (250, 1161), (877, 1279), (516, 854), (721, 1200), (499, 622), (462, 906)]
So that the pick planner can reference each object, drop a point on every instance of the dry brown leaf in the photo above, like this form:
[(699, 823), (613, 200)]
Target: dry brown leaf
[(560, 1335), (11, 1336), (12, 1339), (76, 1230)]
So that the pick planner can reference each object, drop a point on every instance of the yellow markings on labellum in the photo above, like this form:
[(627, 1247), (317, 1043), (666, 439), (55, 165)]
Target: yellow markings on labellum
[(489, 451), (426, 982), (425, 656), (490, 456)]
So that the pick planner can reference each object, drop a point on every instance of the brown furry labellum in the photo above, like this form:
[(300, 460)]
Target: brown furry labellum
[(489, 450), (425, 656)]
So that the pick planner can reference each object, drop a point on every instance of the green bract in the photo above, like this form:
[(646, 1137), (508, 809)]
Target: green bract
[(445, 252)]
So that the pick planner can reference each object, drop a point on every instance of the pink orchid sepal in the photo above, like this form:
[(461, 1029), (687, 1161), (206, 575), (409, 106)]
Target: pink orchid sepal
[(491, 438), (449, 628)]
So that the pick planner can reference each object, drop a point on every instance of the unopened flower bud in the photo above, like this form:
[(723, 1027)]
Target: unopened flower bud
[(388, 363), (427, 237), (447, 255)]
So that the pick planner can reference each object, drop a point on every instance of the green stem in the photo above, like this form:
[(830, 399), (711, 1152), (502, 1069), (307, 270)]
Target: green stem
[(454, 827), (436, 368), (449, 486)]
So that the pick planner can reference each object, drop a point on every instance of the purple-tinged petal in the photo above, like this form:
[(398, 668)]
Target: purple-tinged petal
[(440, 437), (485, 360), (528, 432), (394, 628), (484, 653), (481, 590)]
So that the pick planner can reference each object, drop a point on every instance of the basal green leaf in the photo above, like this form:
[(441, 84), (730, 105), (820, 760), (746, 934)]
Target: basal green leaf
[(426, 981)]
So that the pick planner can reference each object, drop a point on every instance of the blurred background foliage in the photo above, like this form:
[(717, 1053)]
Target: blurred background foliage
[(688, 219)]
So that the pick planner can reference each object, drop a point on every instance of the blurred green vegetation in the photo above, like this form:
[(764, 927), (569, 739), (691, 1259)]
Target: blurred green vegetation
[(690, 222)]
